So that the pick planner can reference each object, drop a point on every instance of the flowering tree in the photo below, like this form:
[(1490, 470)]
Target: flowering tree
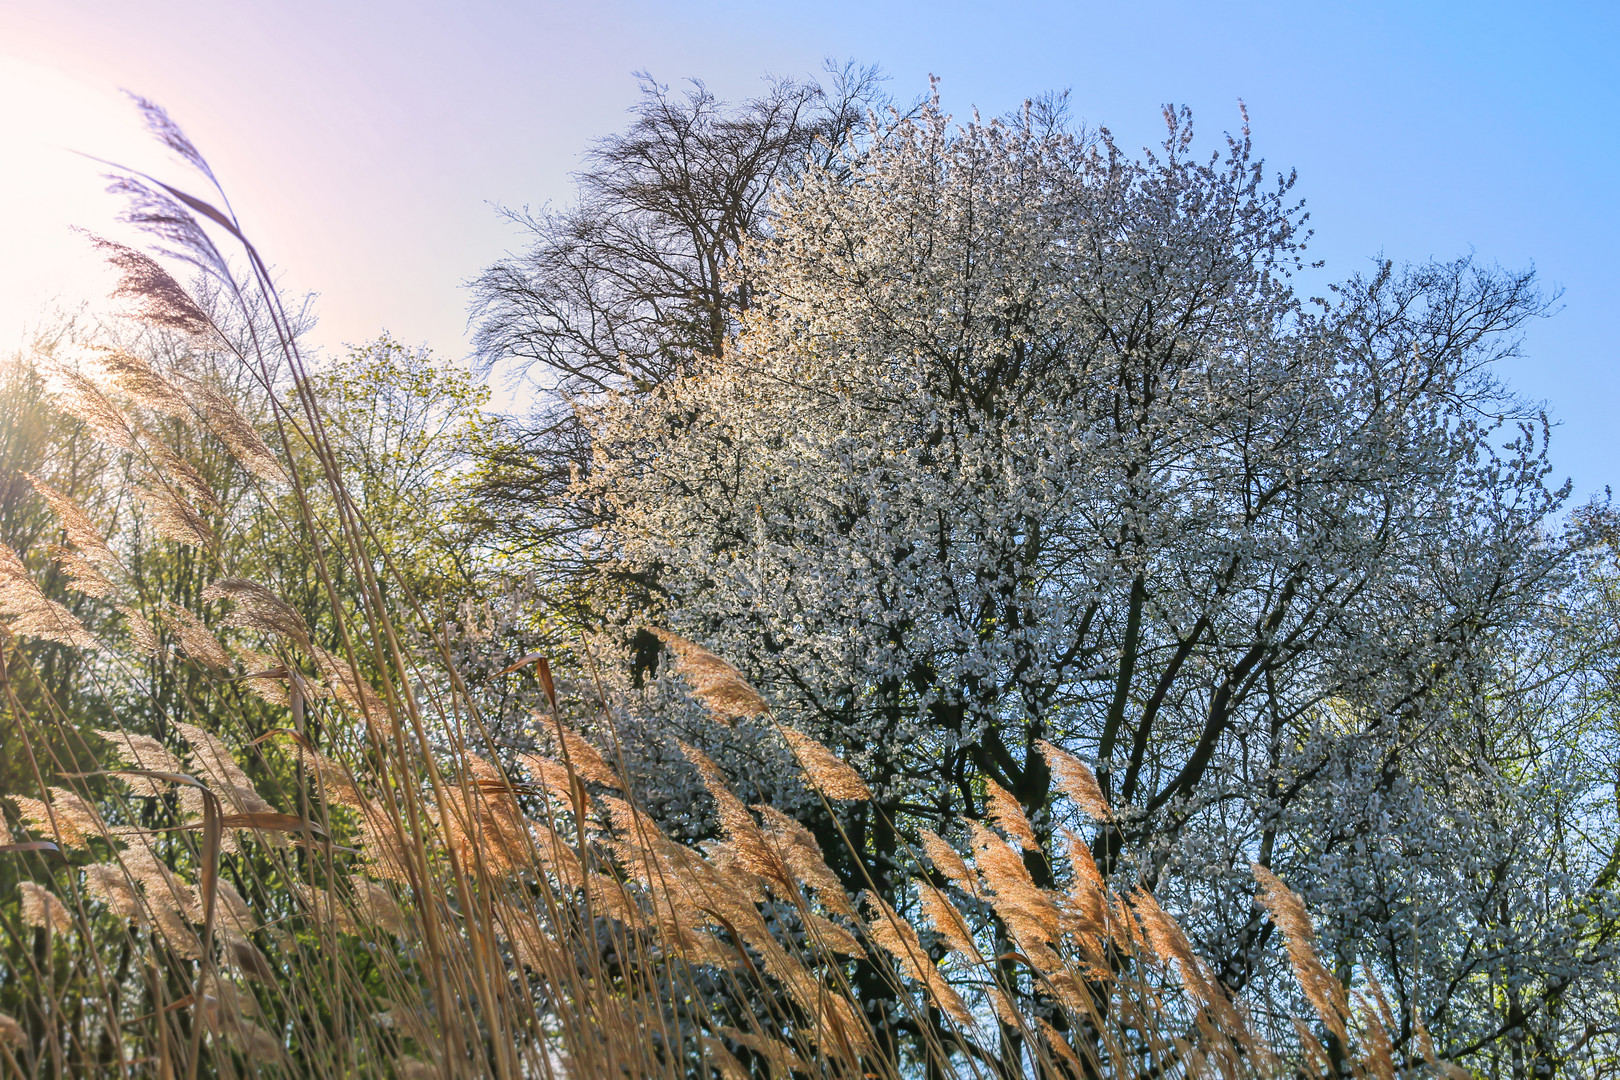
[(1025, 440)]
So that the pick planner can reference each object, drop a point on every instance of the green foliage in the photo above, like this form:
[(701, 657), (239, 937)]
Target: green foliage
[(404, 428)]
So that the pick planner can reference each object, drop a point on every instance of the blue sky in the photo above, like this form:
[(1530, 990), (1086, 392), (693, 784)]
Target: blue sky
[(364, 142)]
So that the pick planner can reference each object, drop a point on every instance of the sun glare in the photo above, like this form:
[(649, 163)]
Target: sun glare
[(50, 120)]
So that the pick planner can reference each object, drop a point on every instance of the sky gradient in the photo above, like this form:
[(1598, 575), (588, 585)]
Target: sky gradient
[(365, 144)]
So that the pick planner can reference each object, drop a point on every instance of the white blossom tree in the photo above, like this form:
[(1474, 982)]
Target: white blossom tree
[(1025, 439)]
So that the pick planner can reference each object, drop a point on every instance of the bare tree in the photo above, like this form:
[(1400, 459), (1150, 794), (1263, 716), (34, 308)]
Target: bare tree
[(639, 277)]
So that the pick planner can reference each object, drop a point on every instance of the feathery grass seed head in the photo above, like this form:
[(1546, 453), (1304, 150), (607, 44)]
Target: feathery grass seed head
[(714, 682), (825, 771), (43, 910)]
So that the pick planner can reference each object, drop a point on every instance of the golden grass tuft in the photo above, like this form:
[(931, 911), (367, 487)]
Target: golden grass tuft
[(43, 910), (84, 576), (240, 437), (142, 634), (825, 771), (29, 613), (83, 400), (796, 850), (584, 759), (259, 608), (1088, 890), (754, 852), (948, 862), (352, 689), (108, 883), (1288, 911), (715, 683), (1004, 810), (67, 818), (1030, 914), (1076, 780), (175, 519), (82, 532), (948, 922), (900, 941), (196, 640), (156, 298), (183, 476), (141, 381)]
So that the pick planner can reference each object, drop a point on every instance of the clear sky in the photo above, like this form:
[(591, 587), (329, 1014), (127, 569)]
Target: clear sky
[(364, 142)]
